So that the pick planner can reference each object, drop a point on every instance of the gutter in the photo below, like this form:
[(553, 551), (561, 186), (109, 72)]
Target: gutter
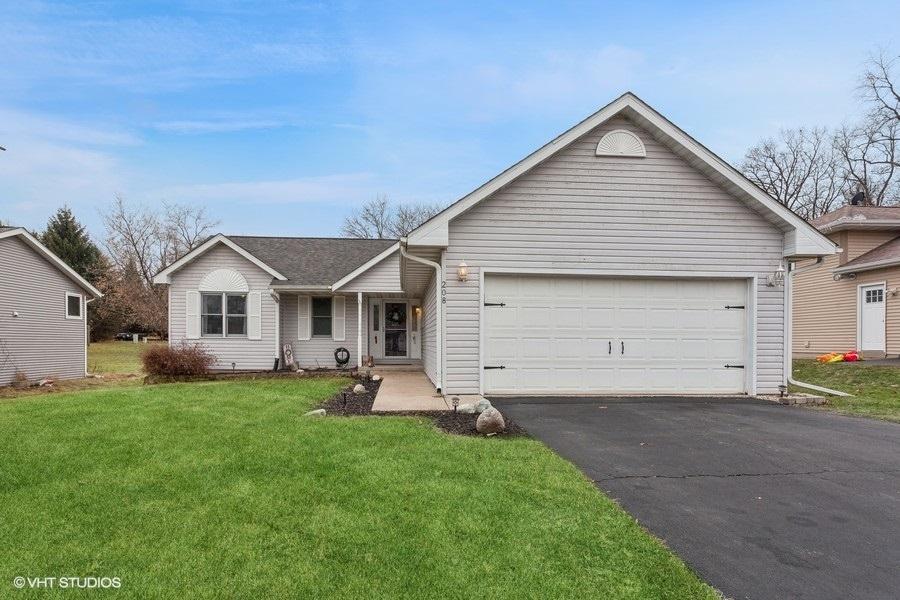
[(439, 285), (789, 331)]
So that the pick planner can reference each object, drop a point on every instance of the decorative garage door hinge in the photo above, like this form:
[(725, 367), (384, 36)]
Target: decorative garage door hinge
[(734, 366), (494, 367), (735, 306), (495, 304)]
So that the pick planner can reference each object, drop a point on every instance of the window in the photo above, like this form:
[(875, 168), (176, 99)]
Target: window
[(73, 305), (232, 321), (321, 317), (874, 296), (375, 317)]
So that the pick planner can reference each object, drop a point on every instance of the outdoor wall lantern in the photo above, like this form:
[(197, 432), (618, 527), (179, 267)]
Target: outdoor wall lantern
[(776, 278), (462, 272)]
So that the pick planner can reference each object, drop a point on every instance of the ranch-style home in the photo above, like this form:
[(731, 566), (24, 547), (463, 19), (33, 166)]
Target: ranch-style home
[(43, 312), (622, 257)]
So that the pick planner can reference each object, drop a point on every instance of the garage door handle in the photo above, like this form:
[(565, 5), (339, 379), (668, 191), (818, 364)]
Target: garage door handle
[(623, 347), (610, 346)]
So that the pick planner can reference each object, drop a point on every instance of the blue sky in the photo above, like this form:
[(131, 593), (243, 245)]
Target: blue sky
[(280, 117)]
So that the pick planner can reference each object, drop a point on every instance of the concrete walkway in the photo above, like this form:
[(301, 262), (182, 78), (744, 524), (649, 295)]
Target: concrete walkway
[(407, 390)]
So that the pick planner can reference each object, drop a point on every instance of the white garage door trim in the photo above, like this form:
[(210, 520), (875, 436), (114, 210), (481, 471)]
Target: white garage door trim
[(750, 370)]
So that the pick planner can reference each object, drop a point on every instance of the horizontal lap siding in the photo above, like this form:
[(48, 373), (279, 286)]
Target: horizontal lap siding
[(825, 311), (605, 214), (40, 342), (429, 331), (383, 277), (319, 352), (244, 353)]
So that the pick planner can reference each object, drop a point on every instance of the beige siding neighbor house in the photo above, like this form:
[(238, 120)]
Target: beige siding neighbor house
[(850, 300), (43, 312), (623, 257)]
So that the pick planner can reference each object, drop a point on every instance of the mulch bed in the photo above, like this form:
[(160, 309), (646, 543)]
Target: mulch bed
[(346, 404)]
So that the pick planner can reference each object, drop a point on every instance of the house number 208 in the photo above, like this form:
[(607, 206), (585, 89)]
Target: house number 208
[(443, 292)]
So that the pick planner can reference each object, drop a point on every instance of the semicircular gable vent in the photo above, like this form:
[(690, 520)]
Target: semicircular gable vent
[(224, 280), (621, 143)]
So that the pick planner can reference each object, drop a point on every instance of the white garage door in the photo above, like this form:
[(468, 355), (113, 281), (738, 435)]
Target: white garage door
[(559, 335)]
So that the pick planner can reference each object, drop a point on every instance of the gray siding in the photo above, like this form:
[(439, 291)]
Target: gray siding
[(41, 341), (383, 277), (319, 352), (243, 352), (603, 215), (429, 330)]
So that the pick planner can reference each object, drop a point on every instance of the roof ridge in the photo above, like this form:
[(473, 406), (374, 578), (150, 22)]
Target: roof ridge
[(312, 237)]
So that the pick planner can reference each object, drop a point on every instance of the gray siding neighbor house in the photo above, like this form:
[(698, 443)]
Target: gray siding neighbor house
[(623, 257), (43, 312)]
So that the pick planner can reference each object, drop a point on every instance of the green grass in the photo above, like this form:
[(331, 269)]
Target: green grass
[(222, 489), (118, 358), (876, 390)]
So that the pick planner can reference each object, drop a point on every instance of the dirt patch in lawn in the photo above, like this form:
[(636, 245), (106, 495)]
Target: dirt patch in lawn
[(345, 404)]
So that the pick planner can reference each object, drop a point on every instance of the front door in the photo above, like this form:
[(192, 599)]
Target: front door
[(395, 329), (871, 318)]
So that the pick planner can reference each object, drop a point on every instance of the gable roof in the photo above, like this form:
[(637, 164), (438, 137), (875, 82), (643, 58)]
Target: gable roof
[(806, 241), (880, 257), (292, 261), (859, 217), (30, 240)]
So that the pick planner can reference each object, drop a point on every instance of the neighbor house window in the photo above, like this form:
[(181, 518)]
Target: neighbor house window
[(223, 315), (321, 317), (73, 305)]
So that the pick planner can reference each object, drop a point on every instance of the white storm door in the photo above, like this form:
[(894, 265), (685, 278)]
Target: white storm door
[(871, 318), (376, 328)]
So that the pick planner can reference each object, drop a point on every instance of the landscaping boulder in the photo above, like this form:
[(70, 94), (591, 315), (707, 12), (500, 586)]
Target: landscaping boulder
[(376, 377), (482, 405), (466, 409), (319, 412), (490, 421), (359, 389)]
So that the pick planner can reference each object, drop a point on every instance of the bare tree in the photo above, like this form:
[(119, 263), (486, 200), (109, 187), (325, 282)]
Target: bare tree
[(881, 94), (869, 160), (140, 243), (378, 218), (799, 169)]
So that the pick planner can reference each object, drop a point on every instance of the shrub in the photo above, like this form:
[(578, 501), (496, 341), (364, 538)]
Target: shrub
[(177, 361)]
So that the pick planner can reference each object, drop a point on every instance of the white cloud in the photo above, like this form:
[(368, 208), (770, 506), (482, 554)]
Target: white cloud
[(18, 124), (217, 126)]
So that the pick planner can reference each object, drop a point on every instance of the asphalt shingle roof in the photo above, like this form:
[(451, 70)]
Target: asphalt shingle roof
[(2, 229), (858, 214), (311, 261)]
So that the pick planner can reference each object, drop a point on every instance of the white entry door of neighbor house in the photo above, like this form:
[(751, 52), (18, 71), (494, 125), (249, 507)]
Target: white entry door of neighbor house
[(577, 335), (871, 318)]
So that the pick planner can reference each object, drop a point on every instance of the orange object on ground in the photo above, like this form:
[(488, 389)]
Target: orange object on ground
[(825, 358)]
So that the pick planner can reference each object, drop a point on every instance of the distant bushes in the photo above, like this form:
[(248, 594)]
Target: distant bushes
[(181, 360)]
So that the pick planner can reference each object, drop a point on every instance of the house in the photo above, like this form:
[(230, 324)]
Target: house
[(621, 257), (43, 311), (850, 300)]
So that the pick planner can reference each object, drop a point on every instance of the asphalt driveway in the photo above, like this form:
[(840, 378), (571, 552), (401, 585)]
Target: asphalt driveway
[(762, 500)]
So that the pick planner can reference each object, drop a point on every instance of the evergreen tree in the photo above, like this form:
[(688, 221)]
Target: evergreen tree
[(67, 238)]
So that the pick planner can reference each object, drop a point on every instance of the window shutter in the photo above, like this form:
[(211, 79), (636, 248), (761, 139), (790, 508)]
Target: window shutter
[(338, 318), (254, 317), (192, 315), (303, 316)]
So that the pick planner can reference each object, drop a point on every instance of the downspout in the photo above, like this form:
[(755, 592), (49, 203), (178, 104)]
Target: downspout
[(277, 298), (789, 329), (438, 286)]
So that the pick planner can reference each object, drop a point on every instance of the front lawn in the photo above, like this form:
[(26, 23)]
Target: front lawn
[(876, 390), (115, 357), (222, 489)]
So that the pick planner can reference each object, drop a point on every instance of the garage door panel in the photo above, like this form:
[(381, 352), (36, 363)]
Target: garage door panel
[(555, 335)]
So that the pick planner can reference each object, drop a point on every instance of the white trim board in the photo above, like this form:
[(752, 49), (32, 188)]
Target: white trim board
[(164, 276), (435, 231), (32, 241)]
